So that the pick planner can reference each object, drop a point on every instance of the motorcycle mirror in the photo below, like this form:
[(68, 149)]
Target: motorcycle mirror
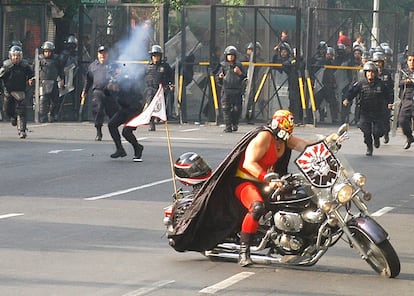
[(343, 129)]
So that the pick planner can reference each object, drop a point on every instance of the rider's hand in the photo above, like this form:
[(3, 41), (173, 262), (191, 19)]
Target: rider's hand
[(275, 185)]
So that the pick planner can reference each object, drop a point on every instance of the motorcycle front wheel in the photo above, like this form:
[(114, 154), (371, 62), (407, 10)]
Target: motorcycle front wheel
[(381, 257)]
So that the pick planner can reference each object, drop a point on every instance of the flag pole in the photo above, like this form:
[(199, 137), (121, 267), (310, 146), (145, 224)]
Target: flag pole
[(171, 157)]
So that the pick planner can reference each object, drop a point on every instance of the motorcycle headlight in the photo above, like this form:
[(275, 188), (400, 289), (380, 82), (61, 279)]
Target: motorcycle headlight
[(343, 192), (359, 179)]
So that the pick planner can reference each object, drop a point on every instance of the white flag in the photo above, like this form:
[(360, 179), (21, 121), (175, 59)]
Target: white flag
[(155, 109)]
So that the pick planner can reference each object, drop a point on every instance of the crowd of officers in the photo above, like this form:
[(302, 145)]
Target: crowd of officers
[(371, 88)]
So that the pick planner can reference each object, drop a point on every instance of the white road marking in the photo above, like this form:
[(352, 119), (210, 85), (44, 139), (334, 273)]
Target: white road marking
[(67, 150), (150, 288), (190, 130), (382, 211), (120, 192), (227, 282), (11, 215)]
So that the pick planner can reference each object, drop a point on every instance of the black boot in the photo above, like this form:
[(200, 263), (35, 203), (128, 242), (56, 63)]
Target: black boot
[(138, 153), (244, 254), (98, 133), (21, 127), (152, 125), (386, 138), (369, 150), (120, 152), (377, 142), (407, 144)]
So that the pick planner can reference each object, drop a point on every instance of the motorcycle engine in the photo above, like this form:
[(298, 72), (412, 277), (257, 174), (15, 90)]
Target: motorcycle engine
[(288, 221), (289, 243)]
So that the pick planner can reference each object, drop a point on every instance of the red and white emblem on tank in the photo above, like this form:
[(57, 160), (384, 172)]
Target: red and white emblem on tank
[(318, 165)]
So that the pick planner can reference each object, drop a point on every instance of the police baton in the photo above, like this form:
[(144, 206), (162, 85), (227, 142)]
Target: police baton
[(82, 103)]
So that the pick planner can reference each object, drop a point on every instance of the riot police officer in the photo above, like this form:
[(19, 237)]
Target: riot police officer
[(69, 54), (158, 72), (289, 67), (373, 95), (327, 91), (406, 115), (231, 75), (50, 70), (385, 75), (15, 75), (97, 78)]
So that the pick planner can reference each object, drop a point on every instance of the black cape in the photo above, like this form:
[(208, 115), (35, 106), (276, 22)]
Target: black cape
[(215, 212)]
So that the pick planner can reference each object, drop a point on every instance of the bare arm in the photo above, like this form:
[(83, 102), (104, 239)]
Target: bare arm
[(255, 150), (297, 143)]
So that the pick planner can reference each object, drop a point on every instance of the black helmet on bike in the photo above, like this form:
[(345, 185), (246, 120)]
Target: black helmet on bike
[(191, 169)]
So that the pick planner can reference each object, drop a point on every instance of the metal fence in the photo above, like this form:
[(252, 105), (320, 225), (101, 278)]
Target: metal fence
[(190, 39)]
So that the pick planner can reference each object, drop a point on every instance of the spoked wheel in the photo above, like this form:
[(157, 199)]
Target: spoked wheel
[(382, 257)]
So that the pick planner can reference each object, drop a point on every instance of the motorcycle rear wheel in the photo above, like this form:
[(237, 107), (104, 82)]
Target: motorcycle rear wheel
[(381, 257)]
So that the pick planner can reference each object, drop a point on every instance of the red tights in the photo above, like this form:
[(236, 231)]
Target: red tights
[(248, 193)]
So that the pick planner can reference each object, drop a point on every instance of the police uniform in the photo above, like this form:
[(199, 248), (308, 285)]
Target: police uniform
[(14, 78), (232, 89), (405, 116), (386, 76), (156, 74), (372, 99), (97, 78), (50, 70)]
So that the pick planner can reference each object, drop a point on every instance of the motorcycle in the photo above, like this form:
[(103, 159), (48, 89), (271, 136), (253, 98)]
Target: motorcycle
[(321, 204)]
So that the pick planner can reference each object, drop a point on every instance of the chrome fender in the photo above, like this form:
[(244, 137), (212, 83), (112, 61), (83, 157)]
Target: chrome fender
[(370, 227)]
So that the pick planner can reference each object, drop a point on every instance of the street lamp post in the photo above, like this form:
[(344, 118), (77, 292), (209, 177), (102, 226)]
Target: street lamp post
[(375, 21)]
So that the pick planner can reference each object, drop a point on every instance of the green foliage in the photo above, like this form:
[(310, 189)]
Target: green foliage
[(233, 2)]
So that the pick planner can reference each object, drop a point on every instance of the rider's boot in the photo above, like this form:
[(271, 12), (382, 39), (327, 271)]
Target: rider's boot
[(244, 255)]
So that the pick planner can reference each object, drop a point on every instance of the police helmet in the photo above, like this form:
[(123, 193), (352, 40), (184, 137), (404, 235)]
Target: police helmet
[(366, 55), (282, 124), (15, 50), (340, 48), (230, 50), (370, 66), (191, 169), (378, 49), (72, 40), (285, 46), (322, 45), (16, 42), (251, 45), (388, 51), (378, 56), (155, 49), (48, 45), (357, 48), (330, 50)]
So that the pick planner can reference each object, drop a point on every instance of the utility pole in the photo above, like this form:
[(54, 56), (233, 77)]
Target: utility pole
[(375, 23)]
